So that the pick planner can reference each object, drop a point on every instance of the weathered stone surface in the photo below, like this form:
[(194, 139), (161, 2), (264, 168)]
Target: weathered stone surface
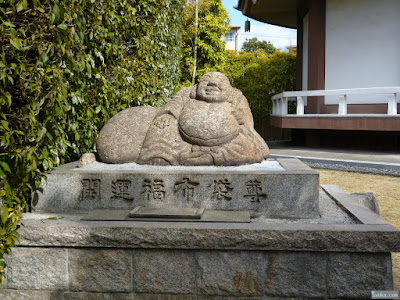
[(8, 294), (121, 139), (176, 274), (86, 159), (367, 199), (210, 298), (85, 296), (355, 275), (37, 269), (100, 270), (164, 271), (356, 208), (139, 297), (265, 189), (207, 124), (230, 273), (240, 236), (225, 216), (143, 296), (296, 274)]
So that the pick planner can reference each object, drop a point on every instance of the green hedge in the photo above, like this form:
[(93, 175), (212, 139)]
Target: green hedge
[(66, 67), (260, 76)]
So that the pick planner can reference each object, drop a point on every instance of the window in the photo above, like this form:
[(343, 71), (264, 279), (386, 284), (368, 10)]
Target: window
[(230, 37)]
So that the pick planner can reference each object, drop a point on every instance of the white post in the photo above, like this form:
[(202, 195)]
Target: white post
[(284, 107), (392, 104), (300, 106), (273, 107), (342, 105), (278, 107)]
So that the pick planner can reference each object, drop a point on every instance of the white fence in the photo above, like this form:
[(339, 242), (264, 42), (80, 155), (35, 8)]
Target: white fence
[(280, 101)]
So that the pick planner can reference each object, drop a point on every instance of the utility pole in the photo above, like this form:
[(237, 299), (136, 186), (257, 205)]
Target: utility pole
[(196, 17)]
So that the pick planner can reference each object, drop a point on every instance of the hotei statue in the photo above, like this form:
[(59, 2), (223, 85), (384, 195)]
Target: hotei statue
[(206, 124)]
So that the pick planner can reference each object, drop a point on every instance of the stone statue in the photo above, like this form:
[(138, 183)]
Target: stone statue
[(207, 124)]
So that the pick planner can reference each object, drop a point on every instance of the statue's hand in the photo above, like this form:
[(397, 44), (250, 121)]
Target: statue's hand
[(163, 121)]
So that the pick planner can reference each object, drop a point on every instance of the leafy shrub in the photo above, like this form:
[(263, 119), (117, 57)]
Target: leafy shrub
[(66, 67), (213, 23), (253, 44), (260, 77)]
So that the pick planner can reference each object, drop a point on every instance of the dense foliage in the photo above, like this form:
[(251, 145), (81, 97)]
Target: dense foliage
[(260, 77), (253, 44), (66, 67), (213, 24)]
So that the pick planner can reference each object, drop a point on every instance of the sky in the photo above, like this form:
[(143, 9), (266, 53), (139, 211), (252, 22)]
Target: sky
[(280, 37)]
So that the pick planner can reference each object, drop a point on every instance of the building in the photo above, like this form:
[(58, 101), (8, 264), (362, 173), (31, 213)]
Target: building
[(232, 39), (348, 69)]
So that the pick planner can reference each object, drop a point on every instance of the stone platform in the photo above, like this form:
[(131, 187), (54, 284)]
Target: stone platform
[(281, 188), (343, 253)]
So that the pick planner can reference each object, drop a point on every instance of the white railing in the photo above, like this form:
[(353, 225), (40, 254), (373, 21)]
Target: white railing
[(280, 101)]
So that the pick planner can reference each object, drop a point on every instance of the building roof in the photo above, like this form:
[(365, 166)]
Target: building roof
[(276, 12)]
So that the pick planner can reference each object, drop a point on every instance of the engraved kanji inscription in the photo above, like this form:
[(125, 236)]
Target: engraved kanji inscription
[(154, 189), (254, 191), (187, 188), (90, 189), (222, 190), (121, 189)]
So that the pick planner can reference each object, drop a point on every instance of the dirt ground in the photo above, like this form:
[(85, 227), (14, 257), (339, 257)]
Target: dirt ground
[(387, 192)]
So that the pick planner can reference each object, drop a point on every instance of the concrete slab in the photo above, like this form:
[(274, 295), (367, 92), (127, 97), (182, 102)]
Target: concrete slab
[(323, 233), (220, 216), (169, 213)]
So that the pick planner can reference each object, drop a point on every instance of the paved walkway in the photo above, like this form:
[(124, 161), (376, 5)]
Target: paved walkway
[(351, 160)]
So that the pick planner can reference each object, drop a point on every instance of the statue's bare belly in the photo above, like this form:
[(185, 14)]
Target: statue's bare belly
[(208, 124)]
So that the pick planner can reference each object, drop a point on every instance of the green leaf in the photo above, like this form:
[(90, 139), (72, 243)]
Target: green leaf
[(56, 14), (13, 33), (10, 79), (62, 26), (22, 5), (16, 43), (44, 58), (45, 164), (89, 113), (33, 166), (9, 24), (5, 166), (8, 96), (4, 214), (5, 125)]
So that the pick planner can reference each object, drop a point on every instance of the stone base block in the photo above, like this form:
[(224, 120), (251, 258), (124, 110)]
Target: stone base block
[(329, 257), (195, 274), (282, 188)]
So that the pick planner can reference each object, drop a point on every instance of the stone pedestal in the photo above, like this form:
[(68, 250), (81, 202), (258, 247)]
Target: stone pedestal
[(344, 253), (282, 188)]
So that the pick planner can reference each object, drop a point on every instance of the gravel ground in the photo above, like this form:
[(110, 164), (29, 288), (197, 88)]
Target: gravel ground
[(351, 165)]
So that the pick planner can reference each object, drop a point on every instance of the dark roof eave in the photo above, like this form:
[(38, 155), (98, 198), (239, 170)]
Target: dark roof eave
[(283, 18)]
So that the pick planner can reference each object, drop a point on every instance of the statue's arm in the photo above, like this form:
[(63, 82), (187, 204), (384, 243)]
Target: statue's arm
[(172, 109), (175, 105), (242, 110)]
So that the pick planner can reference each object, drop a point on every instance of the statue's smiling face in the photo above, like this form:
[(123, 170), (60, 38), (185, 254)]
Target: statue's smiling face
[(213, 87)]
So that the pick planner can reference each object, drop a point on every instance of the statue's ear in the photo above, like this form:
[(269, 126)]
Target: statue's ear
[(193, 92)]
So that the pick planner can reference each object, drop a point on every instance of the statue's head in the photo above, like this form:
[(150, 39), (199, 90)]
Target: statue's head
[(213, 87)]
